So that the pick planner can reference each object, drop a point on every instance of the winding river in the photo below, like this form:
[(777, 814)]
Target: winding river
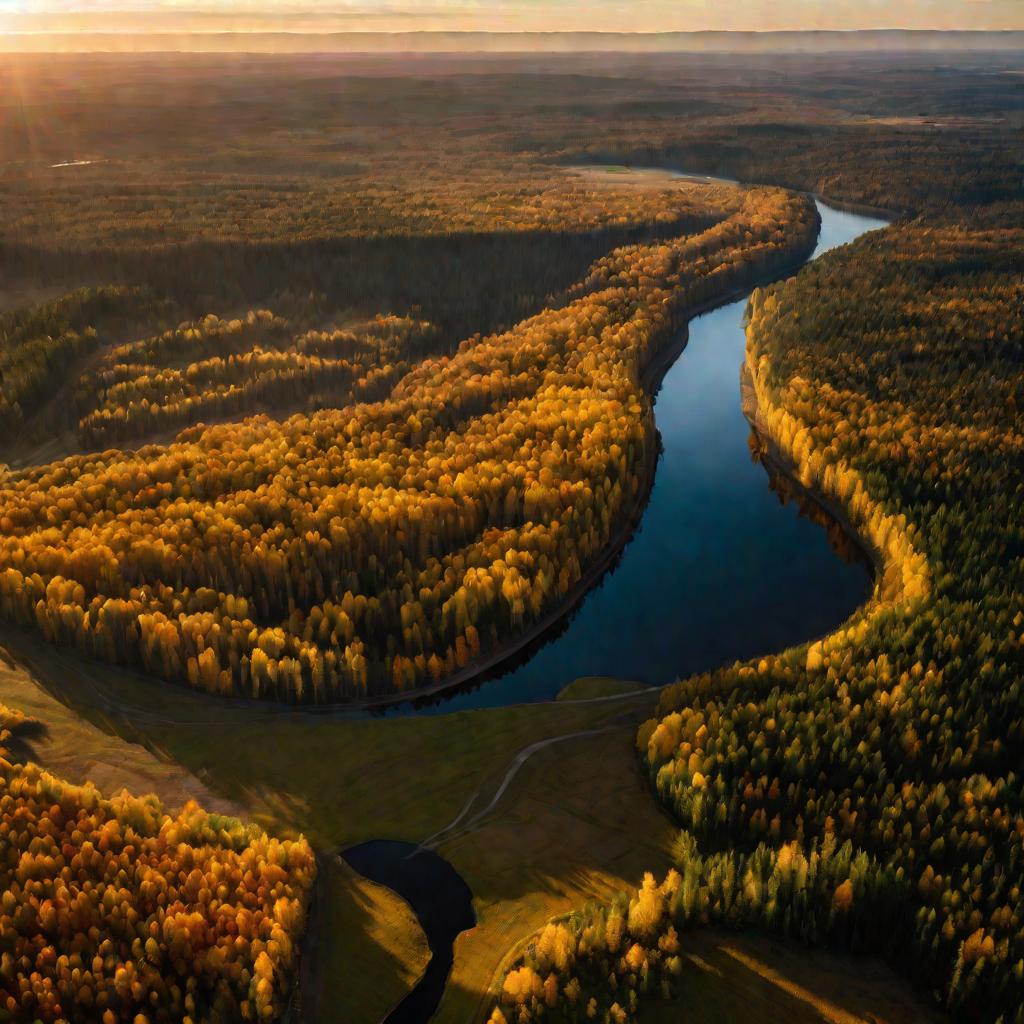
[(718, 569)]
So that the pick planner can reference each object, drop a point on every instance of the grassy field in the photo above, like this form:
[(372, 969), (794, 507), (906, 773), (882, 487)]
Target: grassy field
[(731, 977)]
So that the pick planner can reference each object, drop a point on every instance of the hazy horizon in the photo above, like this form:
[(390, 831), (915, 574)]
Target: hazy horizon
[(709, 41), (92, 24)]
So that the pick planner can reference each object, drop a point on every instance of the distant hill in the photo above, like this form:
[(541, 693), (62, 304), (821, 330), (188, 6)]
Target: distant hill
[(874, 41)]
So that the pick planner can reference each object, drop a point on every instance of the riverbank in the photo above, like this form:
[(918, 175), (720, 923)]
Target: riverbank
[(776, 461), (902, 572)]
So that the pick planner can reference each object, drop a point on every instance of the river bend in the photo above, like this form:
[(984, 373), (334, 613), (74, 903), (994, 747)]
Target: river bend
[(718, 569)]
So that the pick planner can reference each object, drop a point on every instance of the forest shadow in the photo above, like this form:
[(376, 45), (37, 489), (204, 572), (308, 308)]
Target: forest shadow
[(464, 282), (758, 979)]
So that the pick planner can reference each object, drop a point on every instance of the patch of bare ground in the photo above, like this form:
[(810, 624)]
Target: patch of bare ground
[(80, 751)]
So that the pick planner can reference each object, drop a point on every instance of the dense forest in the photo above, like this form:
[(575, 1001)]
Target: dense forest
[(113, 909)]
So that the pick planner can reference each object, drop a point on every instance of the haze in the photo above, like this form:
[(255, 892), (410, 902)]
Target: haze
[(322, 16)]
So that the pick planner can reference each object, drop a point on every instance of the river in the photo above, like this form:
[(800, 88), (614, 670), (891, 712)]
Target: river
[(718, 569)]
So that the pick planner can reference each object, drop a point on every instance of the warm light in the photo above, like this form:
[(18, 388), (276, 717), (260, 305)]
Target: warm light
[(81, 17)]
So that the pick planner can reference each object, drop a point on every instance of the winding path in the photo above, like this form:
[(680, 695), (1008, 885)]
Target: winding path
[(433, 841)]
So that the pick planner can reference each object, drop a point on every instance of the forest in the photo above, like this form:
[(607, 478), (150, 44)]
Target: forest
[(346, 427), (114, 909)]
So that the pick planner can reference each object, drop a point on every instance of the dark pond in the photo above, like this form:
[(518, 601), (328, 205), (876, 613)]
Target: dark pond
[(718, 569), (441, 901)]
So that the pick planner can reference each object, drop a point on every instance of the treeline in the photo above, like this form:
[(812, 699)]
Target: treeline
[(114, 910), (219, 369), (383, 546), (41, 346), (889, 374), (481, 196), (604, 961)]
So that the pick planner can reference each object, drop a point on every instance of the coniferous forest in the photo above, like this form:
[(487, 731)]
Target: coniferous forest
[(334, 384)]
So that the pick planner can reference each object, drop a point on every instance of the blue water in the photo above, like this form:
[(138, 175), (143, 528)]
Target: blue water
[(718, 570)]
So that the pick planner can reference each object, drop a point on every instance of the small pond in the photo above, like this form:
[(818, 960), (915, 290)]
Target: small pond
[(441, 901)]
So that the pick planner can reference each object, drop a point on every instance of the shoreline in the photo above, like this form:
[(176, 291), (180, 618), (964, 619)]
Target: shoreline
[(775, 460)]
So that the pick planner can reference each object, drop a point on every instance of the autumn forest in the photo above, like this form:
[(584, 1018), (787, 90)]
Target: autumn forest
[(333, 390)]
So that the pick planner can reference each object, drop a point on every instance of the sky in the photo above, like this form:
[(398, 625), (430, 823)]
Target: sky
[(503, 15)]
